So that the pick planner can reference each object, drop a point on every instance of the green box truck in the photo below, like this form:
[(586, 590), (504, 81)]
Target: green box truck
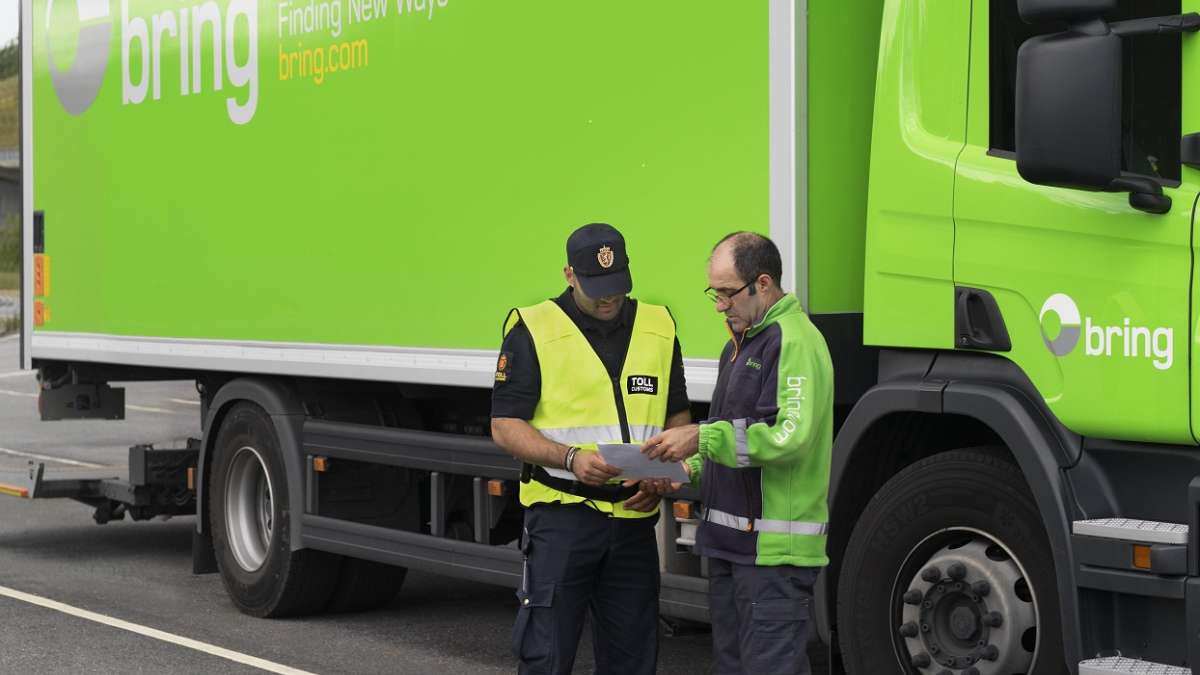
[(321, 211)]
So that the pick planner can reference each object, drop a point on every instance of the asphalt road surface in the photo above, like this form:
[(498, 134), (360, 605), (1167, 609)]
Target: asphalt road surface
[(120, 598)]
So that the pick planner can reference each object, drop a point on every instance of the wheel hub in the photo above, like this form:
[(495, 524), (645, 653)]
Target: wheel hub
[(249, 509), (963, 623), (968, 611)]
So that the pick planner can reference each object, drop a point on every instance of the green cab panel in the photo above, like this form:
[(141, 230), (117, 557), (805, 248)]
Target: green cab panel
[(843, 44), (919, 129)]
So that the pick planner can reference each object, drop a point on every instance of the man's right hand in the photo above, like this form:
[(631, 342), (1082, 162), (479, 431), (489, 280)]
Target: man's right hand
[(590, 468)]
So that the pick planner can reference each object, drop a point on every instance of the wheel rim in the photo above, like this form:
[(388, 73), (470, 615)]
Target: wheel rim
[(963, 602), (249, 509)]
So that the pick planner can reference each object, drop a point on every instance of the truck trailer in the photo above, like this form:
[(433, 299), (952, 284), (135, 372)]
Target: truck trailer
[(321, 212)]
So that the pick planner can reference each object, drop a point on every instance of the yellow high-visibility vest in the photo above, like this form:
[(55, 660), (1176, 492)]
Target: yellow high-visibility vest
[(578, 404)]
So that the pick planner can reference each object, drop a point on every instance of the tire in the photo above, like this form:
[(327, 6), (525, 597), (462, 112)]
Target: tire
[(364, 585), (251, 523), (934, 532)]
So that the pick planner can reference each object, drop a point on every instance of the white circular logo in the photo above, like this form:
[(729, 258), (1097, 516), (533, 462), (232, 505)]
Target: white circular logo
[(1066, 312), (78, 86)]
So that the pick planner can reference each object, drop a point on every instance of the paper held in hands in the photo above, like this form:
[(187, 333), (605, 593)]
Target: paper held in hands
[(629, 459), (633, 464)]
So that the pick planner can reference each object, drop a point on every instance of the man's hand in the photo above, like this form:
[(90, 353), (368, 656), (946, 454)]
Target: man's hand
[(651, 490), (591, 469), (675, 444), (647, 497)]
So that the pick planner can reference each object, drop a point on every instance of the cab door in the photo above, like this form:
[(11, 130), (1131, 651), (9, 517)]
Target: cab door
[(1095, 295)]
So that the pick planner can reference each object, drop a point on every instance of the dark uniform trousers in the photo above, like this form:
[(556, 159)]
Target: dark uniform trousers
[(580, 560), (760, 617)]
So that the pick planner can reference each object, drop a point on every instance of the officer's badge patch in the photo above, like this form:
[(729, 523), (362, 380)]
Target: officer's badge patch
[(605, 257), (502, 365), (642, 384)]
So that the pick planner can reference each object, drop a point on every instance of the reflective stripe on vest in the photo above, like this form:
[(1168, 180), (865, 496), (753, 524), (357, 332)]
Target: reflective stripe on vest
[(761, 525), (612, 433), (577, 405)]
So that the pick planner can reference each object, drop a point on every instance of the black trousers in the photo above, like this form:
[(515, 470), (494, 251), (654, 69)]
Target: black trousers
[(579, 560), (760, 617)]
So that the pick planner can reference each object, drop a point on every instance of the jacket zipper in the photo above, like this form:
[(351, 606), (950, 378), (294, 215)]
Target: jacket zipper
[(746, 484)]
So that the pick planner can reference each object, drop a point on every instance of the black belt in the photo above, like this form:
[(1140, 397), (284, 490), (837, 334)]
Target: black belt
[(602, 493)]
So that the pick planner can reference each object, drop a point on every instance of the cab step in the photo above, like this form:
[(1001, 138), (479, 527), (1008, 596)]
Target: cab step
[(1111, 665), (1130, 529)]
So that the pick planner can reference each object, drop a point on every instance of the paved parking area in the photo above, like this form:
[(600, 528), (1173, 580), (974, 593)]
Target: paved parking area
[(141, 573)]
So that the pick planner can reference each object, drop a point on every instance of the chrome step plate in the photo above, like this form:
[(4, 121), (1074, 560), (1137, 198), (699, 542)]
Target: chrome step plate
[(1128, 529), (1112, 665)]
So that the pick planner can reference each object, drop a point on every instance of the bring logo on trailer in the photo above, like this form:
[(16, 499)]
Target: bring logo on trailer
[(184, 33), (142, 40)]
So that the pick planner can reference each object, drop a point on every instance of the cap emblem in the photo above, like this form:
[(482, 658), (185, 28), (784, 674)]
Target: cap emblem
[(605, 257)]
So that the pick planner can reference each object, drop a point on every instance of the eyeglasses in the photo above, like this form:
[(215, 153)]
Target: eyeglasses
[(717, 296)]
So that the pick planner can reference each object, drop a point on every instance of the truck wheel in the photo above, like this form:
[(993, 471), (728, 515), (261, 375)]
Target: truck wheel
[(364, 585), (251, 521), (949, 570)]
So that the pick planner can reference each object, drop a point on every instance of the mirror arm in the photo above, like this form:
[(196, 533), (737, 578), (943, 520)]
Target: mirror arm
[(1092, 26), (1145, 194), (1158, 25)]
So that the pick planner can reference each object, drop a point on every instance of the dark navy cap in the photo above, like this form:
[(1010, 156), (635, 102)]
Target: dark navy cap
[(597, 254)]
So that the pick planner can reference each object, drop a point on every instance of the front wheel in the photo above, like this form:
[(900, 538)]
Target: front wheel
[(251, 521), (949, 569)]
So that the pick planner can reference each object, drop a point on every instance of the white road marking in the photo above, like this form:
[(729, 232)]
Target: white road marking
[(143, 408), (17, 373), (205, 647), (130, 406), (184, 401), (48, 458)]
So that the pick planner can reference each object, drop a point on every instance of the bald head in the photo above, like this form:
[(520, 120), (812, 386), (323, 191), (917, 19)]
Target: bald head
[(743, 277), (752, 255)]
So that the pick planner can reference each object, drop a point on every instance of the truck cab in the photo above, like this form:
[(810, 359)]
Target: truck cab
[(1029, 275)]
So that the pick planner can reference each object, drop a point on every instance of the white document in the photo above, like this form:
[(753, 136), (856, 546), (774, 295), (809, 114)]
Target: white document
[(633, 464), (629, 459)]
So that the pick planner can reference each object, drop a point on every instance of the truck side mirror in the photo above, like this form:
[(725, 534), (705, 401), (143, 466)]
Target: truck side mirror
[(1068, 116), (1068, 110), (1069, 98)]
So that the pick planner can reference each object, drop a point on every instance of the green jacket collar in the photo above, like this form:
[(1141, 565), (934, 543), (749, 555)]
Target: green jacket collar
[(788, 304)]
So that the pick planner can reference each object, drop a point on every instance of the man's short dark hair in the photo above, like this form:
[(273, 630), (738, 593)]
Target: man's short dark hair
[(754, 255)]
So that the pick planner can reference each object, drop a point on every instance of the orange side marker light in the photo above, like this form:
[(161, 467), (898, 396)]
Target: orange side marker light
[(1141, 556)]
